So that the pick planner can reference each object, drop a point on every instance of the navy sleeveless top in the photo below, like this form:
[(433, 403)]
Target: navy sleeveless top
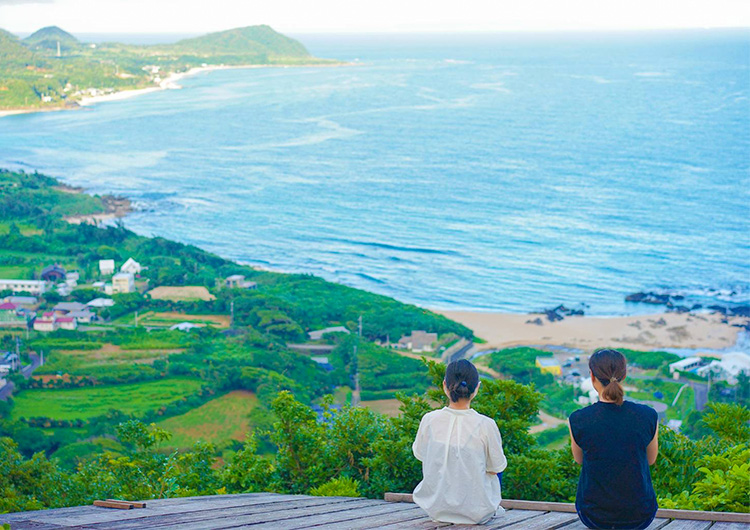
[(615, 485)]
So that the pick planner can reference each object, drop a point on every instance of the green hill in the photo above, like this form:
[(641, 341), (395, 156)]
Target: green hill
[(13, 54), (47, 39), (248, 41)]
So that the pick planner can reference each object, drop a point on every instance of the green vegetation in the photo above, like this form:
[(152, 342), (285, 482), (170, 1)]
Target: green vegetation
[(33, 75), (219, 421), (85, 403)]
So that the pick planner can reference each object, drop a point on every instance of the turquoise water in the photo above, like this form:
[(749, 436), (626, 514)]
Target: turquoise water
[(495, 172)]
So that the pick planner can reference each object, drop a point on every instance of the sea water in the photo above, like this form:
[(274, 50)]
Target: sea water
[(502, 172)]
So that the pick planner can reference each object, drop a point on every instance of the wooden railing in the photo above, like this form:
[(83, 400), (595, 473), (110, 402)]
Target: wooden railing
[(509, 504)]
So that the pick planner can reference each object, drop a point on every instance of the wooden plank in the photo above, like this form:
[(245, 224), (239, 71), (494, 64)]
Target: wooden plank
[(218, 516), (136, 504), (119, 505), (90, 515), (682, 524), (548, 521), (657, 524), (565, 507), (695, 515), (420, 524), (511, 517), (398, 497), (730, 526), (271, 518), (406, 514), (33, 525), (325, 518)]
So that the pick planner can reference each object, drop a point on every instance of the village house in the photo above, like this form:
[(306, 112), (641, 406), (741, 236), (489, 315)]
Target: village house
[(24, 302), (53, 273), (123, 282), (9, 362), (10, 316), (67, 322), (727, 368), (548, 365), (45, 323), (106, 267), (418, 341), (36, 287), (131, 266), (684, 365), (318, 334), (237, 281), (63, 308)]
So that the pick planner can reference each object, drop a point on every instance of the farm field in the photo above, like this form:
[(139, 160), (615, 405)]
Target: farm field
[(181, 294), (85, 403), (388, 407), (169, 319), (83, 362), (221, 419)]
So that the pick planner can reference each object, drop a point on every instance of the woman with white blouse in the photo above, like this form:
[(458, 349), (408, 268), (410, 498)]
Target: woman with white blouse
[(461, 453)]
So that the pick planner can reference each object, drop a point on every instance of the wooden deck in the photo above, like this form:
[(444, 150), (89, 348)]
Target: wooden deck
[(279, 512)]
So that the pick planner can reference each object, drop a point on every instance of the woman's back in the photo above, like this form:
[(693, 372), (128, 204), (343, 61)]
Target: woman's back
[(615, 482), (461, 452)]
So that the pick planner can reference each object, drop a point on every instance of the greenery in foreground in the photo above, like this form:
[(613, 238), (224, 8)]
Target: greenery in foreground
[(356, 452), (33, 76)]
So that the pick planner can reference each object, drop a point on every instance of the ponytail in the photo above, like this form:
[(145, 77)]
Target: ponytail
[(610, 368), (461, 379)]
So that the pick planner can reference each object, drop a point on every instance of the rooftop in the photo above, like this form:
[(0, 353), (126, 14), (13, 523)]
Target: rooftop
[(278, 512)]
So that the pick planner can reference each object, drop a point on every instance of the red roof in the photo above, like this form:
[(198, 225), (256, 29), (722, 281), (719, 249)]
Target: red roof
[(66, 319), (43, 321), (7, 306), (49, 314)]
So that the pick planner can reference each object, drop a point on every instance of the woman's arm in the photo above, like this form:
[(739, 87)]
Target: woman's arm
[(575, 449), (653, 448)]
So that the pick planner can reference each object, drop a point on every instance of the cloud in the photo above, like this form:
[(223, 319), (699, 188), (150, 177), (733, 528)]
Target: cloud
[(19, 2)]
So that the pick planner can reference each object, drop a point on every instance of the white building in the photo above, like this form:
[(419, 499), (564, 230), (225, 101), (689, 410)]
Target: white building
[(237, 281), (45, 323), (685, 365), (184, 326), (35, 287), (101, 302), (131, 266), (418, 341), (106, 267), (123, 282), (26, 302), (727, 368)]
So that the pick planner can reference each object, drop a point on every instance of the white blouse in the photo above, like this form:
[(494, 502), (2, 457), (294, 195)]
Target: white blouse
[(461, 453)]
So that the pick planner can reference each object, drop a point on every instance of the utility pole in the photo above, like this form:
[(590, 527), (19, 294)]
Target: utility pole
[(136, 319), (355, 363), (231, 314), (58, 49)]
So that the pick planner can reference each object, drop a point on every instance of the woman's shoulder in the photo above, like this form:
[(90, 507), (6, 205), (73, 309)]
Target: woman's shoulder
[(641, 409)]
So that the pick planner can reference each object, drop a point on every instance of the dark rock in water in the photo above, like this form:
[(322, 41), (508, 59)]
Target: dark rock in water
[(651, 298), (553, 315), (680, 309), (718, 308), (696, 307), (740, 311), (537, 321), (560, 312)]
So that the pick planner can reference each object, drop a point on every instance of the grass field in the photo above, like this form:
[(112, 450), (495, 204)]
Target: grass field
[(169, 319), (85, 403), (221, 419), (81, 362), (388, 407)]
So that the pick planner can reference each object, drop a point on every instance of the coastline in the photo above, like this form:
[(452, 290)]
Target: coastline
[(690, 331), (170, 83)]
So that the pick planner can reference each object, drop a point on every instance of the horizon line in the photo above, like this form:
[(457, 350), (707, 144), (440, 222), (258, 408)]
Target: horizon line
[(411, 32)]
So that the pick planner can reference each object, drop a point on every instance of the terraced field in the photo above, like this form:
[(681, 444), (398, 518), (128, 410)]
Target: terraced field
[(221, 419)]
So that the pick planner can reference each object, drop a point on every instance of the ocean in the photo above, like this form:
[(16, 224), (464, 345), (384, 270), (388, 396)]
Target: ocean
[(509, 172)]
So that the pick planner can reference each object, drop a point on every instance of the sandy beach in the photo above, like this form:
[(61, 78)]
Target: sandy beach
[(642, 332)]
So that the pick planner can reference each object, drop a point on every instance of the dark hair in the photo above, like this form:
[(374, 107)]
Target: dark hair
[(610, 368), (462, 379)]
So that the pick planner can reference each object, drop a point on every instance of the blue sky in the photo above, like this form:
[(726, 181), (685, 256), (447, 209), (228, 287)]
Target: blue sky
[(197, 16)]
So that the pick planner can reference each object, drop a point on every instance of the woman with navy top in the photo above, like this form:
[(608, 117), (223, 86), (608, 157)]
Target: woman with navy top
[(615, 441)]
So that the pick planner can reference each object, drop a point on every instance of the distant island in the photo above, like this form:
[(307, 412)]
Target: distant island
[(51, 69)]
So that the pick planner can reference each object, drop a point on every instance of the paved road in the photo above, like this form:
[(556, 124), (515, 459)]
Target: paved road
[(26, 371), (701, 394)]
